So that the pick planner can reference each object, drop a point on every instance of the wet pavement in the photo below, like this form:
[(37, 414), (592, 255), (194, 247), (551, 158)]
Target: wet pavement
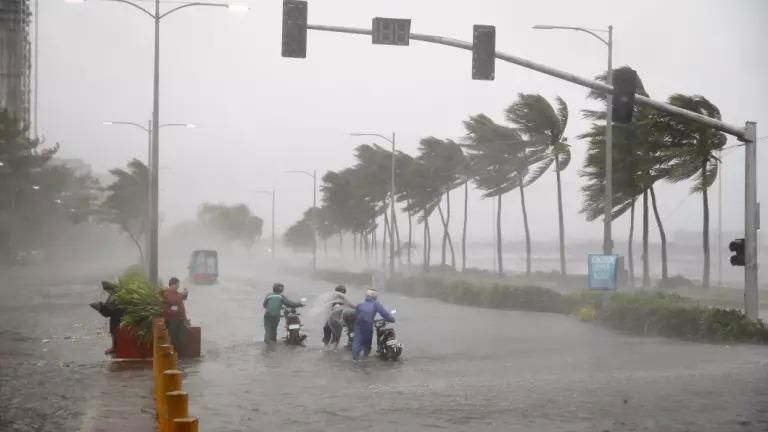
[(462, 369), (54, 375)]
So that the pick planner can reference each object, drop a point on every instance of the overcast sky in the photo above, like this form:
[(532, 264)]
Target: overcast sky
[(260, 115)]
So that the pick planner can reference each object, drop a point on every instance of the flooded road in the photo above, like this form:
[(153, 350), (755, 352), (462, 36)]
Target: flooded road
[(464, 369)]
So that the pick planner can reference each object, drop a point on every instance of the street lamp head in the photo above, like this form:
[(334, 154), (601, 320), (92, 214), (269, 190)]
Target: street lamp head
[(190, 126), (543, 27), (235, 7), (107, 123), (74, 1), (35, 187)]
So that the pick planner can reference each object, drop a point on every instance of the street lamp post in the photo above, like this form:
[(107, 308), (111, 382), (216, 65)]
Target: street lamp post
[(608, 200), (391, 199), (312, 174), (151, 203), (272, 192), (156, 16)]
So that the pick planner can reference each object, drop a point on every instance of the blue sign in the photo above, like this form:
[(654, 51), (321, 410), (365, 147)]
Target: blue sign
[(602, 272)]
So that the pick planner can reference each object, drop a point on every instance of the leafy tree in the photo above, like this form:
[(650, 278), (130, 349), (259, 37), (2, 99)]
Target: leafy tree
[(420, 192), (543, 125), (234, 223), (126, 204), (300, 236), (447, 166), (21, 157), (690, 154)]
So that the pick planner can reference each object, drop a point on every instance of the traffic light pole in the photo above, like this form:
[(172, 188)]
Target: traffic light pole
[(751, 221), (748, 134)]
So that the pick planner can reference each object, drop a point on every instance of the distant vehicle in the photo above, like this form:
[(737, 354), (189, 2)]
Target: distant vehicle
[(204, 267)]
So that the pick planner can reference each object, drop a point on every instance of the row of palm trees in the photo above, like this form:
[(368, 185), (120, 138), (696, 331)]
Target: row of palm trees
[(500, 158)]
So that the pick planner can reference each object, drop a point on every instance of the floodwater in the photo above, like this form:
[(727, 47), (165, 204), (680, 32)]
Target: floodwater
[(462, 369)]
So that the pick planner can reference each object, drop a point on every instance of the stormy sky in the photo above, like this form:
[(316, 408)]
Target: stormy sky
[(260, 115)]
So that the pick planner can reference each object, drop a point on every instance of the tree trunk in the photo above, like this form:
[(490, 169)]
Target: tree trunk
[(630, 255), (646, 268), (662, 234), (499, 254), (705, 232), (561, 223), (464, 229), (410, 239), (354, 245), (138, 246), (398, 245), (325, 248), (424, 259), (527, 232), (445, 234), (341, 244)]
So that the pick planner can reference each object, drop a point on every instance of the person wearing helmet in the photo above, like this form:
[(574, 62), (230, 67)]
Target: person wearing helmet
[(365, 315), (273, 307), (334, 324)]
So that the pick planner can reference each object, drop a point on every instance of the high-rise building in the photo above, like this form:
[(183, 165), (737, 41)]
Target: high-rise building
[(15, 57)]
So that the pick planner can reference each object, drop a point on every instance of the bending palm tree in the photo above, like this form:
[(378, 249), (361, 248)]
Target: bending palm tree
[(539, 121), (691, 154)]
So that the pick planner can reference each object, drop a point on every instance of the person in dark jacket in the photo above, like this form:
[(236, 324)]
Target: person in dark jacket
[(273, 308), (366, 314)]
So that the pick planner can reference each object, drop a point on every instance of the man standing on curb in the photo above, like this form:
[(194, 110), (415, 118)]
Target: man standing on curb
[(175, 315)]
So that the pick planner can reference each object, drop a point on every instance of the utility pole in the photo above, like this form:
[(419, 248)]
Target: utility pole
[(273, 224), (392, 214), (608, 205)]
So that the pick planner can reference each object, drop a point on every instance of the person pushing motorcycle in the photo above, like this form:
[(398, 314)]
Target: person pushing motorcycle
[(273, 307), (365, 315), (333, 326)]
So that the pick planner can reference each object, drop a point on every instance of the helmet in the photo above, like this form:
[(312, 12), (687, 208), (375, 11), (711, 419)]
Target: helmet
[(277, 288), (342, 289), (372, 293)]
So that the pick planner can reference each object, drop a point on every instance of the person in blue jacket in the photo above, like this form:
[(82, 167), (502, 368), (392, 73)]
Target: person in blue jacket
[(366, 313)]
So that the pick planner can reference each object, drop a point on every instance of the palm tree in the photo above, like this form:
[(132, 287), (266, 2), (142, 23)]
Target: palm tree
[(541, 123), (637, 158), (690, 153), (447, 165), (420, 192), (500, 158), (126, 203)]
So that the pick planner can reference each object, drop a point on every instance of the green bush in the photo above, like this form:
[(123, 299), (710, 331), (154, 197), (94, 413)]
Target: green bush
[(674, 282), (140, 301), (652, 314)]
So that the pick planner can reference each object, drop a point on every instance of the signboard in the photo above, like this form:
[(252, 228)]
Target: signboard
[(602, 272), (391, 31)]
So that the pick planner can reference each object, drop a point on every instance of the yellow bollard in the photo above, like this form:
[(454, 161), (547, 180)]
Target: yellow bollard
[(167, 361), (176, 406), (186, 424), (171, 380)]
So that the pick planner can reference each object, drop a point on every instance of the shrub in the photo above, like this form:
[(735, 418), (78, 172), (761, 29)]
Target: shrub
[(677, 281), (140, 301)]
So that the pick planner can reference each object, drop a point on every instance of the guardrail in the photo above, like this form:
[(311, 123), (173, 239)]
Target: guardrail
[(171, 402)]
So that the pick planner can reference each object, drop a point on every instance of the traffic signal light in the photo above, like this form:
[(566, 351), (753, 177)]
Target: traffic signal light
[(483, 52), (294, 29), (391, 31), (624, 87), (737, 246)]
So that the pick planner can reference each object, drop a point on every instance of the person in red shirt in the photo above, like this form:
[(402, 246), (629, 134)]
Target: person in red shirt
[(175, 315)]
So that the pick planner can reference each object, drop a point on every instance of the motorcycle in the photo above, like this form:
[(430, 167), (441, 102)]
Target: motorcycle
[(387, 346), (293, 326)]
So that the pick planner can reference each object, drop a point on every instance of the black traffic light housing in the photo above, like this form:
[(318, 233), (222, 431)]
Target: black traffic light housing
[(294, 29), (624, 88), (737, 246), (483, 52)]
